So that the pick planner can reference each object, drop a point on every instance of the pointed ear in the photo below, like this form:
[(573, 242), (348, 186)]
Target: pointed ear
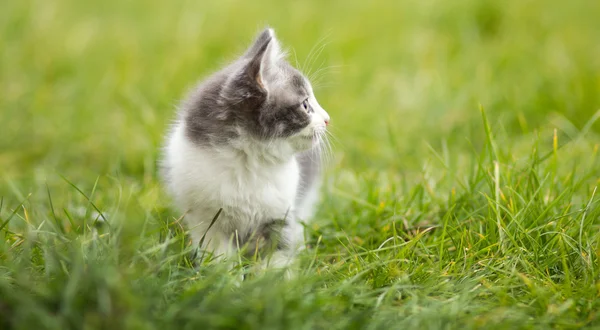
[(259, 41), (263, 55)]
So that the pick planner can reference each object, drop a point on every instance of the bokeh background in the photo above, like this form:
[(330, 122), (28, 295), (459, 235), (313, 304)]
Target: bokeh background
[(94, 84), (88, 89)]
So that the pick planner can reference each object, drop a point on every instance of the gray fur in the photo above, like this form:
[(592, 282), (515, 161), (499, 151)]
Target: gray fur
[(310, 171), (267, 238), (235, 97)]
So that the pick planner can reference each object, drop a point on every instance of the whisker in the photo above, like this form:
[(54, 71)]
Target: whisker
[(325, 148), (333, 137), (323, 70), (296, 58), (331, 158), (310, 53), (315, 53), (316, 56), (323, 86)]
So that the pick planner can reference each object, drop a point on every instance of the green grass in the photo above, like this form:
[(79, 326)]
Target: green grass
[(462, 195)]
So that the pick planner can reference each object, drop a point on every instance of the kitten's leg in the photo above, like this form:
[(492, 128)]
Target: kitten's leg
[(278, 243), (213, 240)]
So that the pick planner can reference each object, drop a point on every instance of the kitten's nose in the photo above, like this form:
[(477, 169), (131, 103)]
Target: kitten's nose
[(326, 122)]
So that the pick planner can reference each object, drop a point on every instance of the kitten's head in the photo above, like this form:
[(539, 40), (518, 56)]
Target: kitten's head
[(263, 97)]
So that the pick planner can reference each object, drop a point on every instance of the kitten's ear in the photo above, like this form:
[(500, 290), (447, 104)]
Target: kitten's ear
[(263, 55), (263, 37)]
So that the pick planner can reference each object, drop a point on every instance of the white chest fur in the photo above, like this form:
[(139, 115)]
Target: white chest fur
[(247, 183)]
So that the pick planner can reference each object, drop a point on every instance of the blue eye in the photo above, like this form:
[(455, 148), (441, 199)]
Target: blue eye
[(305, 104)]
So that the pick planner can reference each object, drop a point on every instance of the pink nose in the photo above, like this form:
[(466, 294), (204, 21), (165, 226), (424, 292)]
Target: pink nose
[(327, 123)]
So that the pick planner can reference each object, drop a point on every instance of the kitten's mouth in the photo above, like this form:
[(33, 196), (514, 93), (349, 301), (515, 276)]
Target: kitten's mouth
[(313, 138), (306, 140)]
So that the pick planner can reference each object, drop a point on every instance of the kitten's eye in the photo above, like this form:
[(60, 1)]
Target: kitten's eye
[(305, 104)]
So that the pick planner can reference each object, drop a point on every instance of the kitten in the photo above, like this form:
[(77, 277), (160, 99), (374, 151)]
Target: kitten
[(247, 140)]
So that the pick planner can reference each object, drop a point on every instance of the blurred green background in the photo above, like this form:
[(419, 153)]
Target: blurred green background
[(92, 85), (88, 89)]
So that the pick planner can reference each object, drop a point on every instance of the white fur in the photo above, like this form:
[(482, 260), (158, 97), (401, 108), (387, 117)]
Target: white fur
[(251, 183)]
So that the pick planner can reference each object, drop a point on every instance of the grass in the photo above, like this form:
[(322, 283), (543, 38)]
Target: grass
[(462, 194)]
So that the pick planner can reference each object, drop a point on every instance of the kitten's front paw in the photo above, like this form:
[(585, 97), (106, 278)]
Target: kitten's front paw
[(277, 262), (282, 261)]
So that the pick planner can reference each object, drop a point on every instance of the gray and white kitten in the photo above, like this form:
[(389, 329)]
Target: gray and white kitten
[(247, 141)]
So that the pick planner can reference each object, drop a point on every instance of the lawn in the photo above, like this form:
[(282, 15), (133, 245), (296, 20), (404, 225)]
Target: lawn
[(462, 191)]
